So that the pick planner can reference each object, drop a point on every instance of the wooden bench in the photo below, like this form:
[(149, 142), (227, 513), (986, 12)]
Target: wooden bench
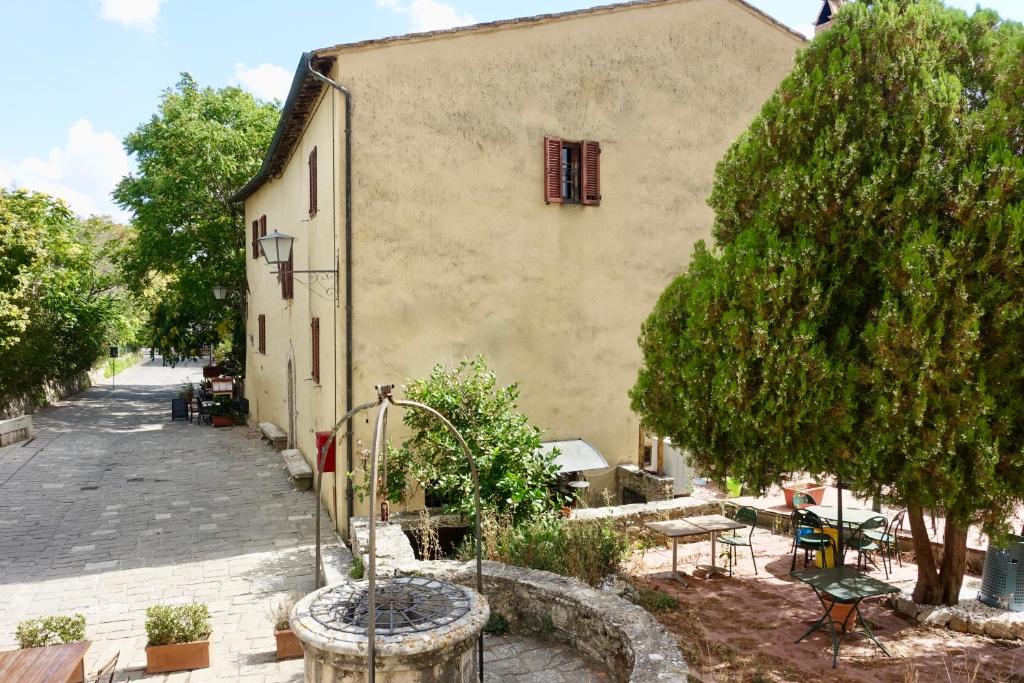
[(275, 435), (299, 471)]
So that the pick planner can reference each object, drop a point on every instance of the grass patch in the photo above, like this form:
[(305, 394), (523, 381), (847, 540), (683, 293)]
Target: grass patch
[(656, 602)]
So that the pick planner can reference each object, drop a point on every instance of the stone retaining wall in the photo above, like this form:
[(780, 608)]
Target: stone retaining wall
[(601, 626), (50, 392), (631, 518), (649, 485)]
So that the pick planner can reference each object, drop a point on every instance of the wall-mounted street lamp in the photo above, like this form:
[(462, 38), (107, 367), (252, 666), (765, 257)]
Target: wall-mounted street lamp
[(277, 250), (219, 292)]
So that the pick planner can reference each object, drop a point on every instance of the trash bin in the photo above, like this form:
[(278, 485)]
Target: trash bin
[(1002, 582)]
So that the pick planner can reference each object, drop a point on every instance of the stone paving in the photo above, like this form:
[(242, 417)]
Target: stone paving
[(113, 508)]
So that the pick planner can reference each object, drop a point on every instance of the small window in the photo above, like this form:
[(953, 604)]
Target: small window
[(312, 182), (287, 278), (572, 172), (314, 335), (256, 238), (262, 325), (263, 225)]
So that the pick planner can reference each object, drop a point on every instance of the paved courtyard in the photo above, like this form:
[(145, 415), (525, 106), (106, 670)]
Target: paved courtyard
[(112, 508)]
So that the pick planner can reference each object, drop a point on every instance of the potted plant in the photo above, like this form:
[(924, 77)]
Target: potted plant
[(815, 491), (733, 486), (179, 638), (288, 645), (54, 630), (221, 413)]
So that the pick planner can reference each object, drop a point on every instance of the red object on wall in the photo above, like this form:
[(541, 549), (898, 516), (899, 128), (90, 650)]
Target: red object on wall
[(321, 439)]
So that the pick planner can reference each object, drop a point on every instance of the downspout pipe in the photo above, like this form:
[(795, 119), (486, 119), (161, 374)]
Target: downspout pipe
[(349, 448)]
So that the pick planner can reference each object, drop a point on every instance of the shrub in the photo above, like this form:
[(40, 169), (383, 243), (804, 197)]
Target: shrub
[(586, 550), (50, 631), (497, 625), (170, 624)]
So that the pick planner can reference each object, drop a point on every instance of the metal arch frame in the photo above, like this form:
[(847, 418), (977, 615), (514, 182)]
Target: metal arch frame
[(385, 400)]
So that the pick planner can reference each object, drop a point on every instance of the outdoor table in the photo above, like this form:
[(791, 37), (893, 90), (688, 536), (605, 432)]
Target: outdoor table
[(694, 526), (852, 519), (842, 585), (50, 664)]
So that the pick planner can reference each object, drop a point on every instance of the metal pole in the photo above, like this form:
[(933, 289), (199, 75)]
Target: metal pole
[(371, 560)]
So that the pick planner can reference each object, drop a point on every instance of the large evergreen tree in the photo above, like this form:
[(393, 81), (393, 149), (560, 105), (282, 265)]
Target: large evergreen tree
[(193, 155), (862, 310)]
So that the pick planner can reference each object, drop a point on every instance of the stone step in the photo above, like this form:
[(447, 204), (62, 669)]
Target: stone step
[(299, 471)]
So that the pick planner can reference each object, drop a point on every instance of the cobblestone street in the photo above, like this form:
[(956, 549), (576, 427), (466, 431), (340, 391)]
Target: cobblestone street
[(113, 508)]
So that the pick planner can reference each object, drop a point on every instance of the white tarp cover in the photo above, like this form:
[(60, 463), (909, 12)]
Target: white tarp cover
[(575, 456)]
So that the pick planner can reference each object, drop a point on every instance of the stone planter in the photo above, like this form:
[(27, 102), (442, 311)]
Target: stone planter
[(288, 646), (813, 490), (178, 657)]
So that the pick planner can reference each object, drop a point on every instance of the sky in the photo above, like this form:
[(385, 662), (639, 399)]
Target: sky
[(78, 75)]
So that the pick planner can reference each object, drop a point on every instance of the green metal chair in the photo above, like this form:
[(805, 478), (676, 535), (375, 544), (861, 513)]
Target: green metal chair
[(745, 515), (865, 545), (889, 539), (808, 535), (802, 500)]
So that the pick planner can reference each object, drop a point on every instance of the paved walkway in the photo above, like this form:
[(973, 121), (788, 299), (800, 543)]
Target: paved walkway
[(113, 508)]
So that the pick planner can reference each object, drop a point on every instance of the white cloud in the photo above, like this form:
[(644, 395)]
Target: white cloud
[(266, 81), (83, 172), (428, 15), (132, 13)]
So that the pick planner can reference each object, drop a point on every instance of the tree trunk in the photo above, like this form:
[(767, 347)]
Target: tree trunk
[(954, 561), (938, 584), (927, 590)]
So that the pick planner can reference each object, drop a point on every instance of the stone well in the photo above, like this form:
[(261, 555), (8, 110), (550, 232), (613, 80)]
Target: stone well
[(426, 630)]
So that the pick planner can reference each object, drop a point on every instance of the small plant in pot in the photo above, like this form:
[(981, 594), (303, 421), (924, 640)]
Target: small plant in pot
[(288, 645), (55, 630), (221, 413), (179, 638)]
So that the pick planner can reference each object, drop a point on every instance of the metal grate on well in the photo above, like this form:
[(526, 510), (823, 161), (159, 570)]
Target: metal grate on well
[(403, 605)]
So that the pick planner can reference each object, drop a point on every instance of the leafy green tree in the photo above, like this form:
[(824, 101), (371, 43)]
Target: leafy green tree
[(193, 154), (60, 298), (515, 479), (862, 310)]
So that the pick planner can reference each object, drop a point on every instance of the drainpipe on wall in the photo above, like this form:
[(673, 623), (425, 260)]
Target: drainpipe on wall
[(349, 451)]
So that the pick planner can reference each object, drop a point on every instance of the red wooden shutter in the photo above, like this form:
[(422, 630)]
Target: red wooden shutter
[(552, 170), (314, 334), (590, 173), (262, 333), (263, 225), (312, 182), (256, 238), (288, 278)]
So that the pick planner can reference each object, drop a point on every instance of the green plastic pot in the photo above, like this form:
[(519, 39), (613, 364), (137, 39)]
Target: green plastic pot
[(734, 486)]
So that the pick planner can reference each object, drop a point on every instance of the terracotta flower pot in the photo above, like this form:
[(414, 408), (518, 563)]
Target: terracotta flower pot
[(223, 421), (178, 657), (288, 645), (843, 614), (813, 490)]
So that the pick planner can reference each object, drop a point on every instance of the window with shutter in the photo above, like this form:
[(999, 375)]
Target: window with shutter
[(590, 176), (314, 334), (263, 225), (312, 182), (287, 277), (572, 172), (553, 170), (256, 238), (262, 325)]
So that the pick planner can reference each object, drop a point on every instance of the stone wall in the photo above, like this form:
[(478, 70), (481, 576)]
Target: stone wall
[(631, 518), (651, 486), (603, 627), (50, 392)]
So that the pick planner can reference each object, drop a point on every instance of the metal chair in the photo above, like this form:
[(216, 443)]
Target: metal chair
[(745, 515), (889, 539), (107, 671), (802, 500), (808, 534), (865, 545)]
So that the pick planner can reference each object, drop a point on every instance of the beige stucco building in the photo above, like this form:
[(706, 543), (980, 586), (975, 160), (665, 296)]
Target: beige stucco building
[(461, 233)]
